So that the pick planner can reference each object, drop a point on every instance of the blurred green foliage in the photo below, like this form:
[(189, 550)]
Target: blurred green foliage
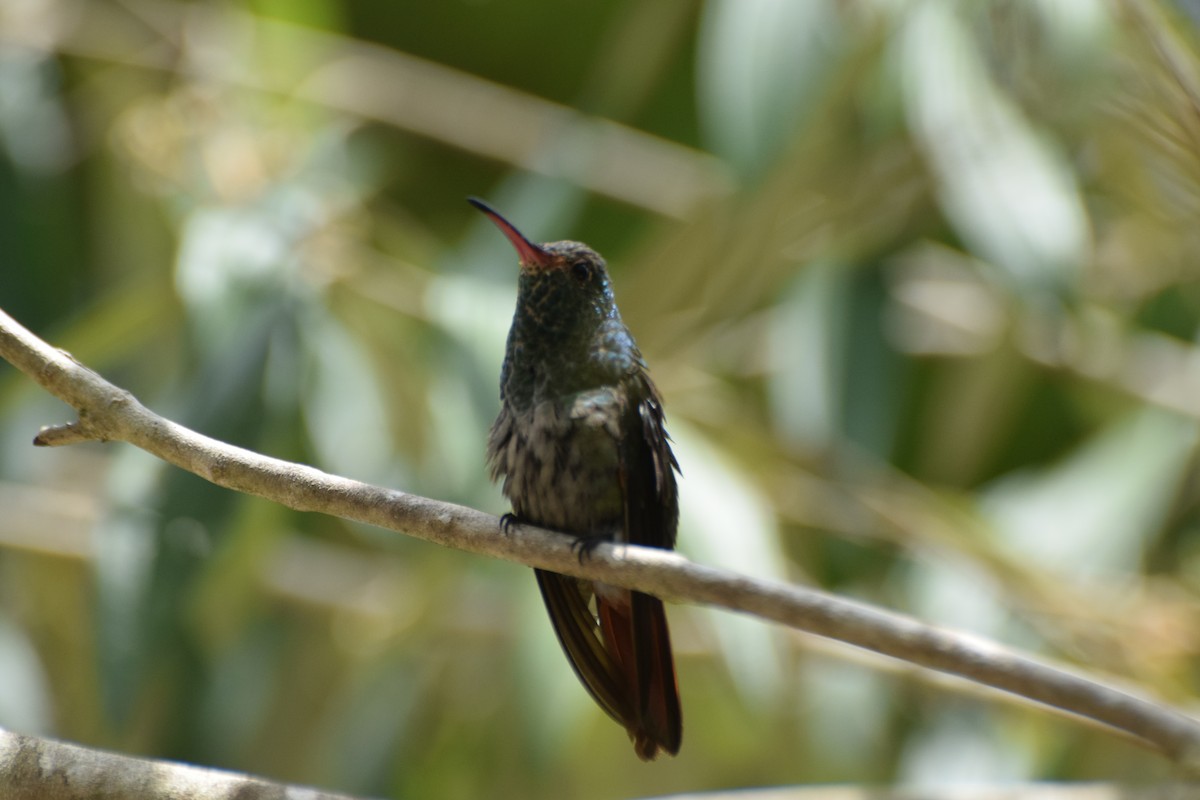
[(919, 280)]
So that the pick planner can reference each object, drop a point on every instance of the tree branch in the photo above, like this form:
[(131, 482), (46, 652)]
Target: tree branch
[(108, 413), (43, 769)]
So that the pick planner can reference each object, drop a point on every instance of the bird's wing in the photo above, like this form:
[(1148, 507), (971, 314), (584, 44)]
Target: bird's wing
[(638, 633), (648, 470)]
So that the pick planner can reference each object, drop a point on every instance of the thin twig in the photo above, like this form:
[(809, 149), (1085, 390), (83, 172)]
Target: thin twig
[(107, 412)]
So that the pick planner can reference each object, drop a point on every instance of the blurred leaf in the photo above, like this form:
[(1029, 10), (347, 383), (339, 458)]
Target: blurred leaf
[(806, 340), (33, 123), (761, 64), (1095, 513), (25, 700), (343, 403), (722, 522), (1007, 191), (962, 747), (126, 545)]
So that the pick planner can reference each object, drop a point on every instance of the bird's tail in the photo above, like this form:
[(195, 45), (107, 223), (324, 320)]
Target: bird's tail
[(622, 655)]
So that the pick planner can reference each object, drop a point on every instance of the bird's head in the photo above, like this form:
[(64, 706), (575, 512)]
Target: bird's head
[(563, 291)]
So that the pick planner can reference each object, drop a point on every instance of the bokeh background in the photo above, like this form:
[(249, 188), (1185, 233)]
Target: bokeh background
[(919, 280)]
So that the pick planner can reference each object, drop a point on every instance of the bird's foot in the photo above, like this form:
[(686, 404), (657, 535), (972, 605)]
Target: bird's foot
[(507, 521), (585, 545)]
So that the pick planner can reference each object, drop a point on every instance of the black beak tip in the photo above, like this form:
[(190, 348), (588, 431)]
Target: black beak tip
[(479, 204)]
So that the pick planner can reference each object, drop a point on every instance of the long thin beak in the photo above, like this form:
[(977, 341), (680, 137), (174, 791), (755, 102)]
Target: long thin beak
[(529, 254)]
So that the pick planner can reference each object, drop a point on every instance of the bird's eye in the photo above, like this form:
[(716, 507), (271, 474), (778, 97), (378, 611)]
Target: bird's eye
[(581, 270)]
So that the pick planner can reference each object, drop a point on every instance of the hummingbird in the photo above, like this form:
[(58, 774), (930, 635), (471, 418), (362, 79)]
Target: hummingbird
[(581, 446)]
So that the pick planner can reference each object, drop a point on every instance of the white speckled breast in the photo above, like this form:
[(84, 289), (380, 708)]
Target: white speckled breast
[(559, 462)]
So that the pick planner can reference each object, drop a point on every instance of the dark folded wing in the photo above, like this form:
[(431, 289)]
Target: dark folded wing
[(648, 470), (651, 517)]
